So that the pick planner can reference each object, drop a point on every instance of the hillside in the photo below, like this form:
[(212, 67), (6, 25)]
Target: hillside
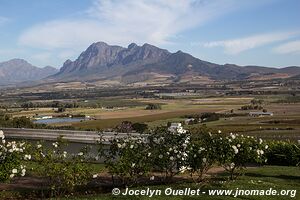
[(19, 70)]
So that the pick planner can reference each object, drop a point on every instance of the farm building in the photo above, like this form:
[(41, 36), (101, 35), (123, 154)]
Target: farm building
[(176, 127), (258, 114), (189, 121)]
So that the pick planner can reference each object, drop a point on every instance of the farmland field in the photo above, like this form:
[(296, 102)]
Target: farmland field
[(213, 111)]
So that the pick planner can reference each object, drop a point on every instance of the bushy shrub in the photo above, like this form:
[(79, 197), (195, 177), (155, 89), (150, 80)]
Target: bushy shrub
[(12, 155), (236, 151), (283, 153), (63, 171), (139, 127), (124, 127), (208, 117), (169, 151), (128, 158), (152, 106), (201, 156)]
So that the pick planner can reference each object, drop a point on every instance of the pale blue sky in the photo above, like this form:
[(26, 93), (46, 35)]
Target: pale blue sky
[(244, 32)]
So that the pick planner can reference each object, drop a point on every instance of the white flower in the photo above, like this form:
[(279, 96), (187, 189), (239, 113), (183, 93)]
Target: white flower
[(266, 147), (2, 135), (238, 145), (131, 146), (14, 171), (182, 169), (235, 149), (149, 154), (204, 160), (80, 154), (160, 156), (11, 176), (260, 141), (258, 151), (151, 178), (133, 164), (261, 152), (219, 131), (39, 146), (27, 157), (55, 144), (23, 172), (232, 165), (95, 175), (171, 158)]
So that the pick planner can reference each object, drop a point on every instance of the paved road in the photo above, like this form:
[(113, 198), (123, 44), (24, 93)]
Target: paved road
[(51, 135)]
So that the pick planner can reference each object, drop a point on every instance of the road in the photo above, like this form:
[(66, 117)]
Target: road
[(88, 137)]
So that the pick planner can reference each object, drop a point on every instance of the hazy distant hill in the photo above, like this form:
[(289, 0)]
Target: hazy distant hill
[(19, 70)]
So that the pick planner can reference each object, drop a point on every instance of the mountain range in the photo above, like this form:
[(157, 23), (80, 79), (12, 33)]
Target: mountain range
[(18, 70), (150, 64), (146, 64)]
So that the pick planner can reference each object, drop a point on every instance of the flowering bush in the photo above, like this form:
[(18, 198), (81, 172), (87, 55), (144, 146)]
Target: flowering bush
[(128, 158), (202, 155), (172, 152), (283, 153), (132, 157), (11, 156), (169, 150), (235, 151), (63, 171)]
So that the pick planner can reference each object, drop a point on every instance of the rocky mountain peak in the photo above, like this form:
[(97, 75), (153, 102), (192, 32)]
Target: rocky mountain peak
[(101, 56), (132, 45)]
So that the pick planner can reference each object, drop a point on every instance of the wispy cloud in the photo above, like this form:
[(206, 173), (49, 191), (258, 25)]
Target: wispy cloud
[(288, 48), (236, 46), (124, 21)]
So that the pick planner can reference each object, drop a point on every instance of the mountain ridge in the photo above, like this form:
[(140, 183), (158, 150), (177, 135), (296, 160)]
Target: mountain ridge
[(19, 70), (134, 64), (112, 62)]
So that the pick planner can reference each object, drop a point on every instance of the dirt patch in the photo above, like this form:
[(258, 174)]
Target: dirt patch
[(23, 183)]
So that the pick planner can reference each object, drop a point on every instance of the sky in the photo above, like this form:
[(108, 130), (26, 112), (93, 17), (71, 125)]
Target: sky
[(243, 32)]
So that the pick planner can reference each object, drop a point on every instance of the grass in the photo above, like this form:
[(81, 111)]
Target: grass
[(108, 123), (262, 178)]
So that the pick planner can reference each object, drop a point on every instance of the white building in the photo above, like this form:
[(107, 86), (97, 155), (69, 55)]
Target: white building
[(259, 114), (188, 121), (176, 128)]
